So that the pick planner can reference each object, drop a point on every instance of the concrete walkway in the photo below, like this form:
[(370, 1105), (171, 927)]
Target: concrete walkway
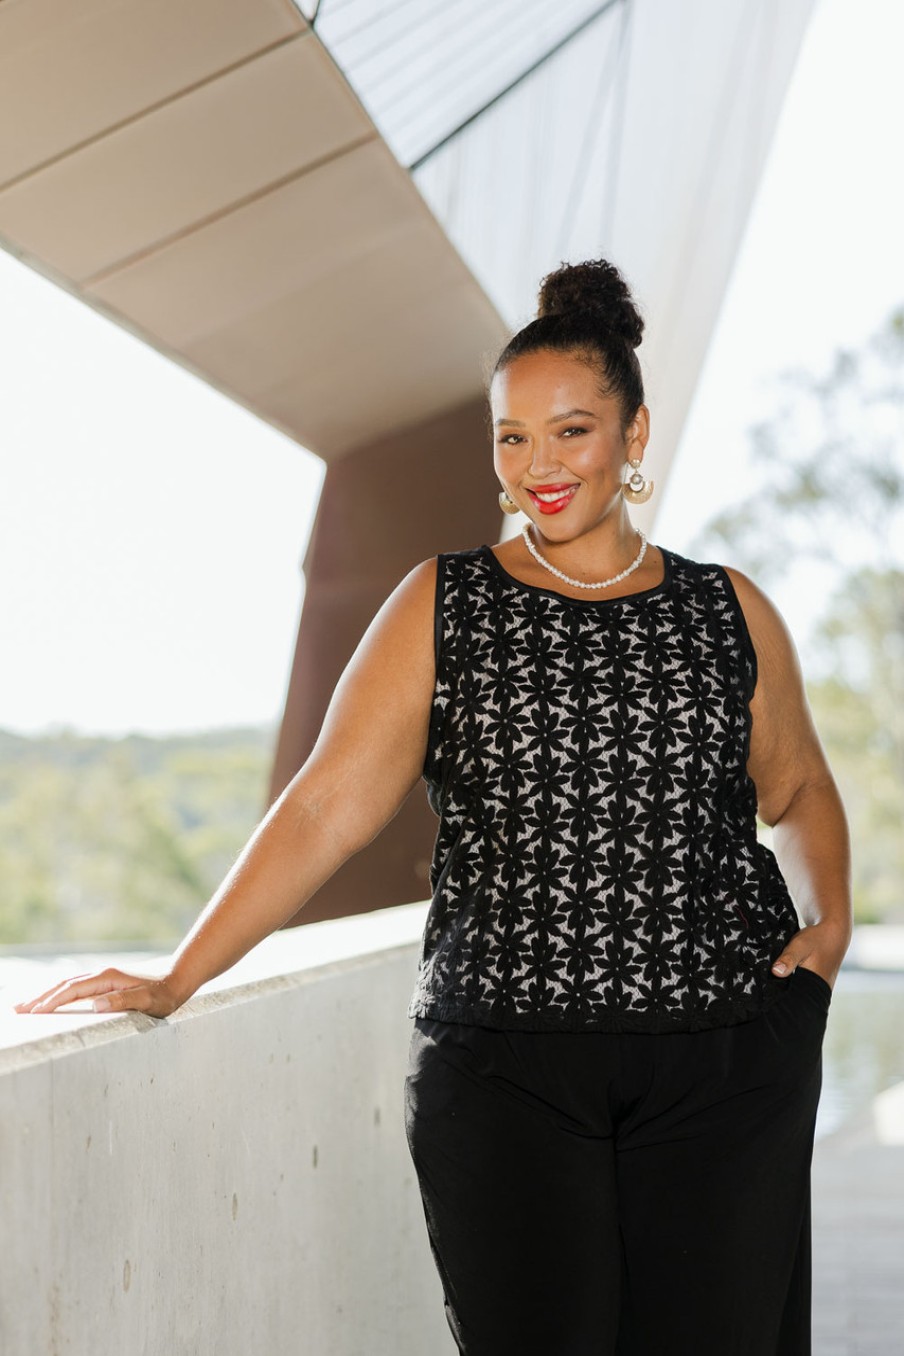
[(858, 1233)]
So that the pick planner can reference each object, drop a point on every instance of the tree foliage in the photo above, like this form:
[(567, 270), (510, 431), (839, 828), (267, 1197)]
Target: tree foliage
[(122, 839), (829, 466)]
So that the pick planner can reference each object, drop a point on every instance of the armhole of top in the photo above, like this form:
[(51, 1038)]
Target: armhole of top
[(439, 599), (743, 630), (432, 770)]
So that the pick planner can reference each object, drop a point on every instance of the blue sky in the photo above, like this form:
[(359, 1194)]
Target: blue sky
[(151, 533)]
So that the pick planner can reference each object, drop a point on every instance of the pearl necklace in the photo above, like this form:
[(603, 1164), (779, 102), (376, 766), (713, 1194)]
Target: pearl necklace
[(580, 583)]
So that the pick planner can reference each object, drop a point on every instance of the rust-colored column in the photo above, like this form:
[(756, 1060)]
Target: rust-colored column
[(368, 534)]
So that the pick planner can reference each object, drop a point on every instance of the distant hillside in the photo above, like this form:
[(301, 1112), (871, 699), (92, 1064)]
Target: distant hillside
[(122, 838)]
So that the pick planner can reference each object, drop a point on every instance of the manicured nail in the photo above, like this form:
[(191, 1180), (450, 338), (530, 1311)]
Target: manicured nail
[(101, 1005), (780, 967)]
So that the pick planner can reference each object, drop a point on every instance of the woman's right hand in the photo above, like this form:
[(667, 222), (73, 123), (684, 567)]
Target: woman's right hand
[(115, 990), (368, 757)]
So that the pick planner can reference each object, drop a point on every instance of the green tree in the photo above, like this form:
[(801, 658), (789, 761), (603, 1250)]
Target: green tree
[(122, 840), (859, 711), (829, 469)]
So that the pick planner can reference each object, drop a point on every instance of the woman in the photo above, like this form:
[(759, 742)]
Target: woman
[(618, 1019)]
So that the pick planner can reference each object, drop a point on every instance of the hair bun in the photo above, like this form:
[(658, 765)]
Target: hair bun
[(596, 286)]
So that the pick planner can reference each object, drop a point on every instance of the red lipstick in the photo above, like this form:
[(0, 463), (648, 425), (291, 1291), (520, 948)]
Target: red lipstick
[(564, 493)]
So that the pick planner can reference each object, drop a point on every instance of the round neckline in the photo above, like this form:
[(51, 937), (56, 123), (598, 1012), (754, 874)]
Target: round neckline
[(661, 587)]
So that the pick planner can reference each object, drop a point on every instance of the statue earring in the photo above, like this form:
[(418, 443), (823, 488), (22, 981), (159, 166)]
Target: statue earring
[(507, 505), (637, 489)]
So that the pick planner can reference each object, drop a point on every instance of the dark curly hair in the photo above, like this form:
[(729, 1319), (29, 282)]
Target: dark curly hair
[(587, 309)]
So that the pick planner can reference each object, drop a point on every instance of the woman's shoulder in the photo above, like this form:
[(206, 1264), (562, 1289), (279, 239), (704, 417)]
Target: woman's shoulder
[(769, 632), (419, 589), (463, 553), (765, 623), (759, 609), (744, 585)]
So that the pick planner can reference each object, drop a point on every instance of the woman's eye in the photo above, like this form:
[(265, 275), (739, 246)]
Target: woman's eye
[(507, 437)]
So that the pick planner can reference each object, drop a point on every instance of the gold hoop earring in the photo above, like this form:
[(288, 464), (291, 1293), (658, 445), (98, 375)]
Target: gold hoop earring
[(507, 505), (637, 489)]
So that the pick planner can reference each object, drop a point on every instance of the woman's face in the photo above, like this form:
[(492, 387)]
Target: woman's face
[(552, 428)]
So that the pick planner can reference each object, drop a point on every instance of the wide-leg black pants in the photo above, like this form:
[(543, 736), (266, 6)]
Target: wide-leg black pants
[(601, 1194)]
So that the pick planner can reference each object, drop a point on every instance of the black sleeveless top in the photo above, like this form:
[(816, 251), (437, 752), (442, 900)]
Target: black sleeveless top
[(596, 865)]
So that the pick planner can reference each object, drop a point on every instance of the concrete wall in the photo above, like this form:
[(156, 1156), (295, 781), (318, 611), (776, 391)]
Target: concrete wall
[(234, 1179)]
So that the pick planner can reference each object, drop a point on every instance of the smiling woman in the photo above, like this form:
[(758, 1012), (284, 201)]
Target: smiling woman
[(615, 1062), (607, 935), (589, 437)]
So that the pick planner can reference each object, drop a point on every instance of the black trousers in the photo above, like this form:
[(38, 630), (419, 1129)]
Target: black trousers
[(602, 1194)]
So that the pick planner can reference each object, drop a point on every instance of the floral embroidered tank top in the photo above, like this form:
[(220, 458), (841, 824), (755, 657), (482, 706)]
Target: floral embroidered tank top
[(596, 865)]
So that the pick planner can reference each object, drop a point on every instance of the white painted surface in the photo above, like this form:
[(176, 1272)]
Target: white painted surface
[(232, 1179)]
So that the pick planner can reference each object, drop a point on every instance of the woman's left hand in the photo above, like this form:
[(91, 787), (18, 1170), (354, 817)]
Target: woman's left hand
[(817, 947)]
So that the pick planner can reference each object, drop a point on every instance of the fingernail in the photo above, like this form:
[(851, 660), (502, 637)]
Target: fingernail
[(780, 967), (101, 1005)]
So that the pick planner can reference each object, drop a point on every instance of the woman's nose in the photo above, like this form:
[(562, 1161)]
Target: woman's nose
[(542, 460)]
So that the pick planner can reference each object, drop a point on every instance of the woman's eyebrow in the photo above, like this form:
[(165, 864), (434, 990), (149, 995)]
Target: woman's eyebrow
[(569, 414)]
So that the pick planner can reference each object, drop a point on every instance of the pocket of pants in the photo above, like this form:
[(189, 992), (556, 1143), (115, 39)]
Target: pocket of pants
[(820, 985)]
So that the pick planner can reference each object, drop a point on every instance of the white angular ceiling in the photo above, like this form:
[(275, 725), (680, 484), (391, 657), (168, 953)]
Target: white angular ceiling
[(213, 175), (203, 174)]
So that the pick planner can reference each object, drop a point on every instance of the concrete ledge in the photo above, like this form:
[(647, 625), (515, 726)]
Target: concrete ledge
[(231, 1179), (284, 958)]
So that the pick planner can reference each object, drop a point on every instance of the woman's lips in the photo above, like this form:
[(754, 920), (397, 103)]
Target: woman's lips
[(555, 505)]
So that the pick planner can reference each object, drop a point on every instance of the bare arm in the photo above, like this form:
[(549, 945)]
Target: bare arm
[(796, 792), (368, 757)]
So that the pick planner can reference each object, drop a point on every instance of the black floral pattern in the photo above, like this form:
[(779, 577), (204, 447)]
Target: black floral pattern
[(596, 864)]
